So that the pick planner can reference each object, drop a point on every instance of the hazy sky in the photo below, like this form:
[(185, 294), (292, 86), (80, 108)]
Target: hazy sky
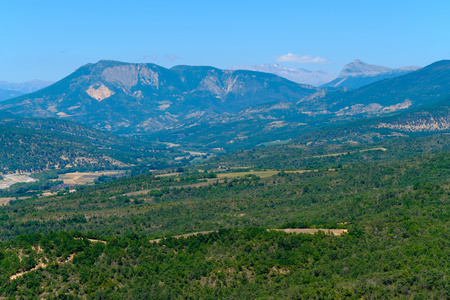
[(50, 39)]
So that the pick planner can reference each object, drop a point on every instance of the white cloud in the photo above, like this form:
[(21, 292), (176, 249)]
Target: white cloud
[(152, 57), (305, 59), (171, 57)]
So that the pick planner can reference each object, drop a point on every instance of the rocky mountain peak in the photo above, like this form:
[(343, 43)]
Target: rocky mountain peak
[(360, 68)]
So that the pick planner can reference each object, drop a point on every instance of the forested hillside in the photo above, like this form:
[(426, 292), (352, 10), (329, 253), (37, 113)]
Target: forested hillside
[(392, 198), (30, 145)]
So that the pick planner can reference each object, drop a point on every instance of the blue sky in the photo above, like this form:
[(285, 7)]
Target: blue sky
[(50, 39)]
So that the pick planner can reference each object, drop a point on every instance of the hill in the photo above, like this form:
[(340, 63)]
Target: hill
[(30, 145), (424, 120)]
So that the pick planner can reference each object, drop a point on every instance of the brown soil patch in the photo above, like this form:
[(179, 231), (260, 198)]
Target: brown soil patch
[(92, 240), (185, 235), (312, 231)]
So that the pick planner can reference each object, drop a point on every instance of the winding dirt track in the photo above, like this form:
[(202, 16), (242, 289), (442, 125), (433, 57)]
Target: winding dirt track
[(38, 266), (43, 265)]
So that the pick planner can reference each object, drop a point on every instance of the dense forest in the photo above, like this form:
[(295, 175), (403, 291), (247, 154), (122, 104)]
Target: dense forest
[(99, 242), (36, 145)]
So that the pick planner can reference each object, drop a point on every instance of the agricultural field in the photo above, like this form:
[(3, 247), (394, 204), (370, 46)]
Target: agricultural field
[(10, 179), (81, 178)]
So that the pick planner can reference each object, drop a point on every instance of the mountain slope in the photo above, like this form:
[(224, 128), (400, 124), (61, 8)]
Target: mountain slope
[(358, 73), (28, 150), (424, 120), (125, 97), (41, 144)]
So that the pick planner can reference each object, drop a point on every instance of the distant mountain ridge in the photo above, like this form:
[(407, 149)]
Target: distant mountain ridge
[(120, 97), (314, 78), (25, 87), (8, 94), (413, 89), (358, 73), (218, 109)]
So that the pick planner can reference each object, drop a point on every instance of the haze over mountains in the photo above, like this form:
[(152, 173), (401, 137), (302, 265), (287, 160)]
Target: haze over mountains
[(353, 75), (304, 76), (25, 87), (213, 108), (10, 90), (358, 73)]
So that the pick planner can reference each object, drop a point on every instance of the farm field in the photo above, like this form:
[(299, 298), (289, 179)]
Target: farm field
[(11, 179), (81, 178)]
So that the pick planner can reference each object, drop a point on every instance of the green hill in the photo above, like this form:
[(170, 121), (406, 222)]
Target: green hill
[(41, 144)]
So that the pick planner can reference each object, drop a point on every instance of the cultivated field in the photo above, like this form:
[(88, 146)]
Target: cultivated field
[(80, 178), (11, 179)]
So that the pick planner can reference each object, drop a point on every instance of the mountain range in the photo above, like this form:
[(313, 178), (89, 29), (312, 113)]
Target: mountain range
[(125, 97), (10, 90), (25, 87), (303, 76), (319, 214), (213, 108), (358, 73)]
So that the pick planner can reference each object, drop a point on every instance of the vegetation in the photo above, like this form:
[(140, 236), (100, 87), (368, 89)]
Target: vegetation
[(36, 145), (394, 203)]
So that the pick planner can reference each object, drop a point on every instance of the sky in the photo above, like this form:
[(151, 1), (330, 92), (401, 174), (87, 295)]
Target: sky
[(48, 40)]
